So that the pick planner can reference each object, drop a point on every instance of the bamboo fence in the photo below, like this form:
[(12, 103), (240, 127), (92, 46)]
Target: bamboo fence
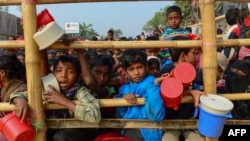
[(135, 44), (208, 43)]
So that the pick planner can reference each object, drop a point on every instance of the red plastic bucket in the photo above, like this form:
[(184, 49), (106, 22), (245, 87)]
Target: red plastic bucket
[(15, 130), (171, 92), (43, 18), (185, 72)]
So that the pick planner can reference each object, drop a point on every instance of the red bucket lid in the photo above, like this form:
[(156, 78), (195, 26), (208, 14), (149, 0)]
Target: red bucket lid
[(171, 92), (185, 72), (171, 88), (43, 18)]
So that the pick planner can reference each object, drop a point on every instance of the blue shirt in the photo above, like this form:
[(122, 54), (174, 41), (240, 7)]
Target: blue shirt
[(153, 109)]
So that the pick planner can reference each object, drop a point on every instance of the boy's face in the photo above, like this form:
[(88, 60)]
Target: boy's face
[(109, 36), (191, 56), (66, 75), (136, 72), (174, 20), (101, 74), (154, 70), (152, 52)]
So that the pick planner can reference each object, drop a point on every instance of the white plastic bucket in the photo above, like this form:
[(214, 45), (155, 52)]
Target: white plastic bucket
[(213, 113), (216, 104)]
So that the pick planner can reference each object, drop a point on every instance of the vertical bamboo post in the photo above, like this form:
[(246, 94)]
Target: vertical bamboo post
[(33, 72), (209, 48)]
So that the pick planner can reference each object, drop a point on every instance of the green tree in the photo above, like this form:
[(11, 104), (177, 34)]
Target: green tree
[(87, 31), (159, 20), (187, 11), (190, 11)]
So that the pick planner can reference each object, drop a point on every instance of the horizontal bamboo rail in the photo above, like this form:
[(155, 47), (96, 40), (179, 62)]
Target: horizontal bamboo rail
[(216, 19), (133, 123), (4, 106), (134, 44), (220, 36), (18, 2)]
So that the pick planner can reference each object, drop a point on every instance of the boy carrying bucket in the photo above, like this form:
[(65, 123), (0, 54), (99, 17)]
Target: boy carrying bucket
[(185, 110)]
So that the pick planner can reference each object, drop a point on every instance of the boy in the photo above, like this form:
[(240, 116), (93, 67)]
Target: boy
[(134, 62), (186, 110), (152, 51), (174, 19), (234, 18), (67, 70)]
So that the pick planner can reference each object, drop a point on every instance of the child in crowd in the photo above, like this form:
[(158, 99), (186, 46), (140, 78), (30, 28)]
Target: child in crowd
[(234, 20), (20, 56), (152, 51), (90, 54), (245, 33), (97, 73), (67, 71), (12, 72), (51, 54), (185, 110), (134, 62), (174, 19), (153, 58), (154, 66), (110, 35)]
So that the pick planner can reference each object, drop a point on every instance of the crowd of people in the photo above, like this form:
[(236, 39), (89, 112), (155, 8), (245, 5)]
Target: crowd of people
[(91, 74)]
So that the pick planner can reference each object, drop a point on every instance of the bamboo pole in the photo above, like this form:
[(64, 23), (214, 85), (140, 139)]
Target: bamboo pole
[(133, 44), (4, 106), (33, 73), (17, 2), (133, 123), (209, 48)]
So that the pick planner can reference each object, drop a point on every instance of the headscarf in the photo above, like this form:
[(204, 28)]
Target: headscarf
[(236, 83)]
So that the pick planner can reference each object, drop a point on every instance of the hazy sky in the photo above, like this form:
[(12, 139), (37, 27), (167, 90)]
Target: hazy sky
[(127, 16)]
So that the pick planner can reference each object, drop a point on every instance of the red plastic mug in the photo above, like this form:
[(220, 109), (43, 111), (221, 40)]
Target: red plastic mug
[(171, 92), (43, 18)]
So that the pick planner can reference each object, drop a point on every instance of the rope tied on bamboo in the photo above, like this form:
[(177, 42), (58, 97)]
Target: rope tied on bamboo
[(39, 125), (208, 44)]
